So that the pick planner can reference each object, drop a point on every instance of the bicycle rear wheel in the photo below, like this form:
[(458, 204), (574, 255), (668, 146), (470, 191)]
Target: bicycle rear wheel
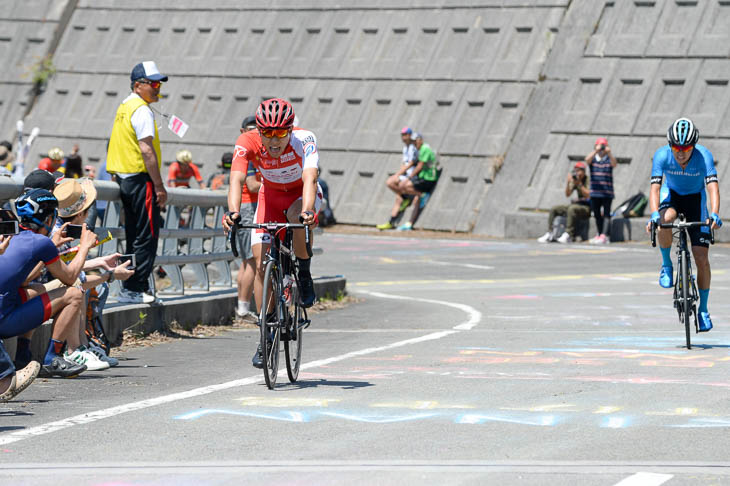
[(684, 275), (293, 346), (270, 319)]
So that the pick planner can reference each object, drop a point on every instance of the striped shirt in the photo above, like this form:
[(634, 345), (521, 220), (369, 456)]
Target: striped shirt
[(601, 177)]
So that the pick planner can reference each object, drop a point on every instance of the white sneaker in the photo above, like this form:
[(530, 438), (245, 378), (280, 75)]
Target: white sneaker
[(93, 363), (603, 240), (595, 240), (545, 238), (129, 297), (150, 299), (565, 238), (75, 357), (101, 354)]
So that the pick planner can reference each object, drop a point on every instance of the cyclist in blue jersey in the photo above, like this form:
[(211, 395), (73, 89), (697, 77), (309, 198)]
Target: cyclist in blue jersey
[(688, 168)]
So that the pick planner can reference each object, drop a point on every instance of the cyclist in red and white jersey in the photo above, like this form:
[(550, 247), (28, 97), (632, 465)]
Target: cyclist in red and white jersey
[(287, 158)]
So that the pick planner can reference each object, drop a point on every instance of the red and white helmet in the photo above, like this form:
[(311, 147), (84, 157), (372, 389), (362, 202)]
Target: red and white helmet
[(275, 113)]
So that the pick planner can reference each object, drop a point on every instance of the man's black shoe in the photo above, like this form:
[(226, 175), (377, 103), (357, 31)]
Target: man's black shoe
[(61, 368), (258, 359), (306, 292)]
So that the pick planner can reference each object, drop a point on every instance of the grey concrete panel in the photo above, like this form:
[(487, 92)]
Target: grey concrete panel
[(176, 33), (367, 200), (241, 97), (191, 55), (368, 32), (300, 93), (456, 195), (416, 99), (547, 25), (110, 91), (13, 98), (22, 44), (77, 37), (538, 173), (581, 19), (528, 144), (476, 103), (712, 38), (508, 105), (585, 94), (378, 108), (675, 29), (710, 97), (229, 30), (438, 112), (389, 59), (668, 96), (278, 42), (720, 149), (627, 90), (125, 32), (339, 169), (255, 27), (523, 38), (428, 32), (151, 28), (458, 38), (632, 27), (310, 34), (338, 37), (490, 31), (347, 111), (49, 11), (321, 107)]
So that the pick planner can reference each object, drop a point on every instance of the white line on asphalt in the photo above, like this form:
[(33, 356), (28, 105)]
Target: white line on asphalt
[(474, 315), (645, 479), (86, 418)]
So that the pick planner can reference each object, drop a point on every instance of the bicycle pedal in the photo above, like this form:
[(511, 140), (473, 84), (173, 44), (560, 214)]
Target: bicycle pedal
[(303, 324)]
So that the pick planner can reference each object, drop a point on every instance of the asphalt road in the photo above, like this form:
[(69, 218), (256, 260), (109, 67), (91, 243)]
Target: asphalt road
[(464, 362)]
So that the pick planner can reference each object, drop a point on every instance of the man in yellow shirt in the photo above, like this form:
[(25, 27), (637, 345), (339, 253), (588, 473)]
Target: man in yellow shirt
[(134, 158)]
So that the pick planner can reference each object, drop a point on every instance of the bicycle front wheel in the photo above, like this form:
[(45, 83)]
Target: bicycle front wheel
[(684, 275), (293, 346), (270, 319)]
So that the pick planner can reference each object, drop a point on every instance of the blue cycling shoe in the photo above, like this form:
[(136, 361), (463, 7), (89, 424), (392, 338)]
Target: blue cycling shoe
[(705, 322), (665, 277)]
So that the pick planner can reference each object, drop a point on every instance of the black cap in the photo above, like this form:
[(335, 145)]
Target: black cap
[(227, 160), (249, 120), (40, 179)]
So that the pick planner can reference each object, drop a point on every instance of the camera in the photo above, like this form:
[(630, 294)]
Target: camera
[(74, 231), (132, 258), (601, 147), (574, 173)]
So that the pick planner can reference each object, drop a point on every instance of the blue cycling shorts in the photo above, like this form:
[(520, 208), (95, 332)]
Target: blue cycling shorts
[(26, 316)]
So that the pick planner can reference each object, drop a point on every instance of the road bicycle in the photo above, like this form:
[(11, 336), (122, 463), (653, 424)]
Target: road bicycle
[(685, 289), (281, 317)]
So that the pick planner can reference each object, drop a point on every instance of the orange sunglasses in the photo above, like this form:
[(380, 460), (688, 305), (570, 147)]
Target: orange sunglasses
[(274, 132), (682, 148)]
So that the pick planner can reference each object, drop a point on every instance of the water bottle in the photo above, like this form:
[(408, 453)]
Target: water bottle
[(287, 288)]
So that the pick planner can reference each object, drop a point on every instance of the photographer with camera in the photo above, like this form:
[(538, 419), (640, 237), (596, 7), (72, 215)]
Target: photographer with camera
[(577, 210), (601, 162)]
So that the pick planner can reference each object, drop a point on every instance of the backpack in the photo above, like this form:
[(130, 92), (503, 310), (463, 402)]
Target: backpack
[(94, 330), (633, 207)]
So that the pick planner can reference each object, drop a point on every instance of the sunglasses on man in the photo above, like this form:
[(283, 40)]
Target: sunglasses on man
[(682, 148), (153, 84), (274, 132)]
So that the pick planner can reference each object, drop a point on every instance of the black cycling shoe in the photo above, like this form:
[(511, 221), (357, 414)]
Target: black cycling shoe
[(306, 292), (258, 358), (61, 368)]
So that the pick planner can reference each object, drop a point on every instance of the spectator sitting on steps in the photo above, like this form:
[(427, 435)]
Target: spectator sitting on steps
[(422, 179), (578, 210), (410, 158)]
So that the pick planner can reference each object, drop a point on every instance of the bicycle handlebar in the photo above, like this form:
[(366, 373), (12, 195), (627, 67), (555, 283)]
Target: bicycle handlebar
[(681, 224), (272, 228)]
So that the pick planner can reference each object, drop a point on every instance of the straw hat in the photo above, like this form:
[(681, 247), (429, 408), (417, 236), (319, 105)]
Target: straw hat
[(74, 196), (184, 156)]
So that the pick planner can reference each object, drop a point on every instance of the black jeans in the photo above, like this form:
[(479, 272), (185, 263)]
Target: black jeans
[(141, 226), (598, 203)]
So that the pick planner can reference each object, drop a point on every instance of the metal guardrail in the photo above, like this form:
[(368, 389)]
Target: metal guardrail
[(201, 246)]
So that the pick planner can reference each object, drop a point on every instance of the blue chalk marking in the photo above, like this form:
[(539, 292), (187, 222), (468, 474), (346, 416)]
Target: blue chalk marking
[(615, 422), (704, 423), (479, 418), (284, 416), (379, 419)]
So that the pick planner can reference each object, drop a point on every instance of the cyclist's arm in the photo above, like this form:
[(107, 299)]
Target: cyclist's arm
[(238, 178), (654, 191), (713, 190), (309, 190), (252, 183)]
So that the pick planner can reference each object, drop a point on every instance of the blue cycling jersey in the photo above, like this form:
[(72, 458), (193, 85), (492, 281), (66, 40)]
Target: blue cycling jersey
[(690, 180)]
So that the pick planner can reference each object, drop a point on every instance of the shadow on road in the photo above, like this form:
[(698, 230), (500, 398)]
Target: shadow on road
[(345, 385)]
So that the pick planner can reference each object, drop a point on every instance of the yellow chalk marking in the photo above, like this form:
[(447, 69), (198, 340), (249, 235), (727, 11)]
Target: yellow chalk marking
[(607, 409), (418, 405)]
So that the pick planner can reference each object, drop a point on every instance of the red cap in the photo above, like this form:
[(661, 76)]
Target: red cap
[(580, 165), (601, 141)]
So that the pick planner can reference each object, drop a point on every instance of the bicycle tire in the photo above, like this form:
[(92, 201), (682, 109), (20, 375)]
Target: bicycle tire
[(270, 329), (684, 275), (293, 346)]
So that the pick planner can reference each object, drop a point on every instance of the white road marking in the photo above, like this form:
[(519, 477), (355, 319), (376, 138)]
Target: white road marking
[(645, 479), (474, 315), (86, 418), (466, 265)]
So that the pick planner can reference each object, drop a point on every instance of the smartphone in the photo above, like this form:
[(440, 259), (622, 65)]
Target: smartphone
[(132, 258), (74, 231), (7, 215), (9, 228)]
